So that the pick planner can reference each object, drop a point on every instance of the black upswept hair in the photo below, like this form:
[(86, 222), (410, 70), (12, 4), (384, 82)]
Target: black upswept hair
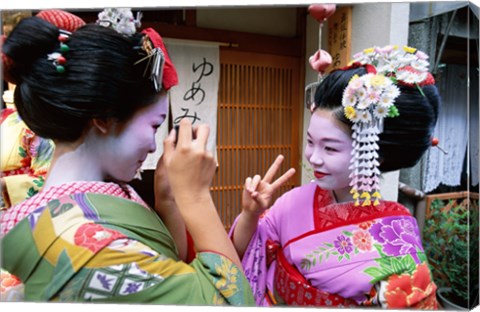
[(101, 79), (405, 138)]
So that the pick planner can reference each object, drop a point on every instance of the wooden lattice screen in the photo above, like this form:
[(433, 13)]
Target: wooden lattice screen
[(259, 109), (464, 199)]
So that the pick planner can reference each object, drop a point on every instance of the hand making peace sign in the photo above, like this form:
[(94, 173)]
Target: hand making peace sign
[(257, 193)]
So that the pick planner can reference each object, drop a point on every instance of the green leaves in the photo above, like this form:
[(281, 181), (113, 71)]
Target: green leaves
[(389, 265), (39, 182), (324, 252), (318, 255), (446, 236), (393, 112), (22, 152), (57, 208), (31, 191)]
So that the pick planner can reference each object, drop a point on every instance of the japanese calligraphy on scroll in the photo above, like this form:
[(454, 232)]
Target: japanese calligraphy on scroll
[(196, 95), (339, 37)]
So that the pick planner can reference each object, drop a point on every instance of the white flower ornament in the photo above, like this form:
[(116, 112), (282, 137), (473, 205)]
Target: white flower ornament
[(120, 19), (368, 100)]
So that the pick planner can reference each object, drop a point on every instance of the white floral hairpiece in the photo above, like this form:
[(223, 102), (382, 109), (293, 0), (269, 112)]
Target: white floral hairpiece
[(120, 19), (391, 59), (370, 98)]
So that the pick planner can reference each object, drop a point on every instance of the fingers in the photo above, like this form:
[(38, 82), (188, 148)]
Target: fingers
[(184, 132), (273, 169), (261, 201), (187, 134), (248, 182), (251, 184), (284, 178), (255, 181), (201, 134), (169, 145)]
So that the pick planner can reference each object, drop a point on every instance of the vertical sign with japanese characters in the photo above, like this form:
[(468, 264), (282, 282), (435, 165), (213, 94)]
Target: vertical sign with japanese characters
[(196, 96), (339, 37)]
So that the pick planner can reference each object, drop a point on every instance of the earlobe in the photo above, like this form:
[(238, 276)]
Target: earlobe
[(101, 124)]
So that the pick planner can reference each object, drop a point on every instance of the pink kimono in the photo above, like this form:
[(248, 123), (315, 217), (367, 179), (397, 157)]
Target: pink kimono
[(309, 250)]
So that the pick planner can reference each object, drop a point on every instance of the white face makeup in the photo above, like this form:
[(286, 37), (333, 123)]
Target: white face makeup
[(328, 150), (125, 152)]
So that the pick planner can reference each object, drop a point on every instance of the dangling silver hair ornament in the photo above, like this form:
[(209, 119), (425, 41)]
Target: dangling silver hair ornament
[(155, 59), (368, 100)]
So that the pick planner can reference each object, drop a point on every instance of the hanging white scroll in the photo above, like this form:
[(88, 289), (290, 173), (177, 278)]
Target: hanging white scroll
[(196, 96)]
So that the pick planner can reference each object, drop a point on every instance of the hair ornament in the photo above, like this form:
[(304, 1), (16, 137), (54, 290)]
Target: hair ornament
[(155, 59), (368, 100), (407, 66), (435, 142), (58, 58), (162, 70), (120, 19), (158, 65)]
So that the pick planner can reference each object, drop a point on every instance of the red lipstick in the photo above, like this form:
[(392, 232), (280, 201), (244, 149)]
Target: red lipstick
[(320, 175)]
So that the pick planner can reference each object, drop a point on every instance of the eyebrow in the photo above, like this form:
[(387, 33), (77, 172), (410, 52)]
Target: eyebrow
[(329, 140)]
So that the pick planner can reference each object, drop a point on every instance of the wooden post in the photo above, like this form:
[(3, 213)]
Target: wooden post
[(339, 37)]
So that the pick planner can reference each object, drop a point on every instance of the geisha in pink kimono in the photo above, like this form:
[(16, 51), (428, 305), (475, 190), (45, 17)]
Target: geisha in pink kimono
[(335, 241)]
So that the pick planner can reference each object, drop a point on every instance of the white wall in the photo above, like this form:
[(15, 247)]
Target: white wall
[(379, 24)]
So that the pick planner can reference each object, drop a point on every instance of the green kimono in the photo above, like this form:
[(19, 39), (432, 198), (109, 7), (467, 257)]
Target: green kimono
[(101, 248)]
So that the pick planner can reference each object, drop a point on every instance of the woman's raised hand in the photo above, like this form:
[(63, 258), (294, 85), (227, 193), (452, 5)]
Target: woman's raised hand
[(190, 166), (258, 193), (256, 198)]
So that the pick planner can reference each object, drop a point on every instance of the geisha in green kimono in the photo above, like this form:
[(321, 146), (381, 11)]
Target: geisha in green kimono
[(100, 93)]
